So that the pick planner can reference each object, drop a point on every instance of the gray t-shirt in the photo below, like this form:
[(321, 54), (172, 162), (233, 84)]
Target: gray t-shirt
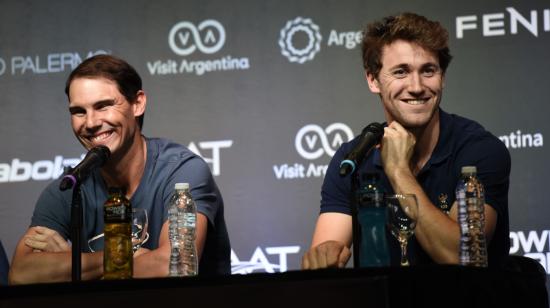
[(167, 163)]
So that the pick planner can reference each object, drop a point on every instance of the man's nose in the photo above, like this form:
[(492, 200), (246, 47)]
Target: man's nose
[(415, 83), (92, 121)]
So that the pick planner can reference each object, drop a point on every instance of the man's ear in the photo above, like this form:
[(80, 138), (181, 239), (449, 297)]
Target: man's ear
[(374, 84), (140, 103)]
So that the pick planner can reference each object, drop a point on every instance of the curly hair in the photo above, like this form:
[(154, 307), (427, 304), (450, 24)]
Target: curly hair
[(409, 27)]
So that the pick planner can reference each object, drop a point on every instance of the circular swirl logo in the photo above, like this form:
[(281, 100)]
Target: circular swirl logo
[(311, 30)]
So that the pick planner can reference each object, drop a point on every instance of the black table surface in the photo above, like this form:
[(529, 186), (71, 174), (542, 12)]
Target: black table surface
[(420, 286)]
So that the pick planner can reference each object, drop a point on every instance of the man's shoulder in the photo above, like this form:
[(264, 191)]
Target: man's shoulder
[(465, 131), (168, 150)]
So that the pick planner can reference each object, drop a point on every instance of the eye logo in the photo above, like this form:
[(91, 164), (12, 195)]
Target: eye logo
[(317, 140), (313, 45), (185, 38)]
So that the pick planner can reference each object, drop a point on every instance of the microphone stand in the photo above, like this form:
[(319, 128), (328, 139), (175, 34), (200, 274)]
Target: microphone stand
[(76, 226), (356, 228)]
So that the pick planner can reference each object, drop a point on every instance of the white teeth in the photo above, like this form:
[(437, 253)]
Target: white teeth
[(101, 136), (416, 102)]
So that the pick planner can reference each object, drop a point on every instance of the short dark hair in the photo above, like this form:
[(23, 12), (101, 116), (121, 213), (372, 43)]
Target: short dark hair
[(410, 27), (115, 69)]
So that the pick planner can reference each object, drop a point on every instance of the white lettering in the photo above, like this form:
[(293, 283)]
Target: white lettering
[(259, 260), (516, 140), (465, 23), (282, 252), (494, 24), (2, 66), (492, 21), (162, 68), (41, 170), (515, 16), (215, 146)]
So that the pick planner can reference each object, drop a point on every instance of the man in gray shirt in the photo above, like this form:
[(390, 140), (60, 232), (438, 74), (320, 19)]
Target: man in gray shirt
[(107, 105)]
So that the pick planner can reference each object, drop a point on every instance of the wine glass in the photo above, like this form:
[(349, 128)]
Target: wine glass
[(139, 228), (402, 215)]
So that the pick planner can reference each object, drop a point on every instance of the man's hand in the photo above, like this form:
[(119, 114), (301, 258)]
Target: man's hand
[(327, 254), (46, 240), (397, 148)]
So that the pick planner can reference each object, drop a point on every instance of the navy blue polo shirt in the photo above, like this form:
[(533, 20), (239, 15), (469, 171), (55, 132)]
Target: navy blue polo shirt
[(462, 142)]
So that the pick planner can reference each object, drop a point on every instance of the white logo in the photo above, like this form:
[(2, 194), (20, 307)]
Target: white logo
[(211, 42), (42, 170), (313, 45), (495, 24), (518, 140), (534, 245), (317, 140), (260, 262), (215, 146), (311, 142)]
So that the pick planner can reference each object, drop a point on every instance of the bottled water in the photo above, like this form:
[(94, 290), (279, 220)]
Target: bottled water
[(471, 217), (182, 216)]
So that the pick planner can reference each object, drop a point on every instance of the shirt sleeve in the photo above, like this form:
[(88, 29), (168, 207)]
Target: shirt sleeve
[(53, 210), (335, 190)]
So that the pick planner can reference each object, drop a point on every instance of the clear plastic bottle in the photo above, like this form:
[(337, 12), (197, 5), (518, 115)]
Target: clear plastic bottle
[(182, 216), (471, 217)]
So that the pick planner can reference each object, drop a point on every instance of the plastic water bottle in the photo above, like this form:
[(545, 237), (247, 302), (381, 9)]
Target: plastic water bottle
[(372, 217), (182, 215), (471, 217)]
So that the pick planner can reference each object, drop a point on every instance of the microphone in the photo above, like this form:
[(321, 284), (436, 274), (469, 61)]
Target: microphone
[(371, 136), (95, 158)]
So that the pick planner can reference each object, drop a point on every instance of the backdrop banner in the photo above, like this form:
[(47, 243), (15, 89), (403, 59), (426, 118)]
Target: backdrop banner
[(266, 91)]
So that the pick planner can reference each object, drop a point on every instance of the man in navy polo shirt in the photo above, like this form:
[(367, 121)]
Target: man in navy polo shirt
[(422, 151)]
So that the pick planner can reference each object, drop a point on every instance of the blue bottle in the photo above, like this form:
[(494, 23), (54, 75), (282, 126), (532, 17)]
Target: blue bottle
[(372, 217)]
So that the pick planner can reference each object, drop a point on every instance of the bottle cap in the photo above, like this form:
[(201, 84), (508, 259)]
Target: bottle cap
[(469, 169), (182, 186)]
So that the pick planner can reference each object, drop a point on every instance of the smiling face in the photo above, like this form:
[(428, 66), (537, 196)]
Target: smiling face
[(101, 115), (410, 84)]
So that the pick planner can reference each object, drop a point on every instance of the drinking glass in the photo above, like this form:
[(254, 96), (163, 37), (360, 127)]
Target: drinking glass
[(139, 232), (139, 228), (402, 215)]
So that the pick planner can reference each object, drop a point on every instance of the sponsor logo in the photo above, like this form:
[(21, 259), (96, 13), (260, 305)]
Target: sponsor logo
[(20, 171), (208, 38), (214, 35), (42, 170), (287, 42), (259, 261), (215, 147), (45, 64), (532, 244), (300, 39), (497, 24), (518, 140), (313, 142)]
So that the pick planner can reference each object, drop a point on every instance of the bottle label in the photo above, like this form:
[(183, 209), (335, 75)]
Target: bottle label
[(118, 213)]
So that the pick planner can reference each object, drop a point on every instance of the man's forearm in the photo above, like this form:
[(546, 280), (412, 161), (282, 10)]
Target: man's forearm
[(37, 267), (436, 232)]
